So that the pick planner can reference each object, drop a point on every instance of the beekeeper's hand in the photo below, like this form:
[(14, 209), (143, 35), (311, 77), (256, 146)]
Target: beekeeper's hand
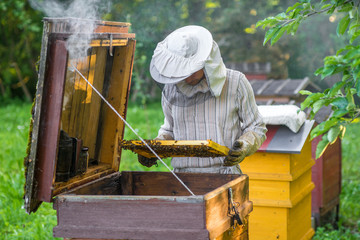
[(246, 145), (237, 153), (147, 162)]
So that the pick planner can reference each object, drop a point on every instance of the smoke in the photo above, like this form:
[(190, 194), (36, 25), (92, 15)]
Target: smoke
[(78, 13)]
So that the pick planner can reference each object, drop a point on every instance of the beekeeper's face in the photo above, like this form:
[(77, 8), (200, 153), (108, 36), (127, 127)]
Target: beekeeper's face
[(195, 78)]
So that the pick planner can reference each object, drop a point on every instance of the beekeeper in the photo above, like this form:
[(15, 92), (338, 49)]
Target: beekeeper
[(202, 99)]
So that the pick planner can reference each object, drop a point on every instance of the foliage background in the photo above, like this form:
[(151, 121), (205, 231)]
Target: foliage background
[(232, 23)]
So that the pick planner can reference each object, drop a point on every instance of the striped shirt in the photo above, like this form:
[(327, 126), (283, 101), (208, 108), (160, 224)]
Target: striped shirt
[(222, 119)]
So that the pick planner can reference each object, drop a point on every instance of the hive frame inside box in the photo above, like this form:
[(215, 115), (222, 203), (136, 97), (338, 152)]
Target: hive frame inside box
[(64, 101)]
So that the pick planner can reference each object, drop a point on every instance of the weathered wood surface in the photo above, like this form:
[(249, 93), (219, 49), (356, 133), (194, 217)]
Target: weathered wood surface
[(117, 95), (162, 216), (50, 119), (31, 203), (75, 110), (164, 184)]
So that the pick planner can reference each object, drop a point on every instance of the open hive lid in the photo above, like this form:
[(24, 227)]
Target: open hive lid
[(66, 103), (176, 148)]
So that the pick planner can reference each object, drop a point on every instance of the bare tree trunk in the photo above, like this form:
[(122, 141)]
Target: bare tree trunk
[(21, 81)]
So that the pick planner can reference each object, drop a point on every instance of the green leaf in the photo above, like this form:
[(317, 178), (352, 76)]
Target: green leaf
[(281, 16), (331, 10), (343, 25), (333, 134), (345, 8), (350, 99), (354, 36), (305, 92), (327, 71), (311, 99), (323, 127), (270, 33), (318, 105), (326, 6), (334, 89), (293, 7), (295, 27), (321, 147), (355, 53), (339, 113), (357, 85), (277, 35), (340, 102), (318, 71)]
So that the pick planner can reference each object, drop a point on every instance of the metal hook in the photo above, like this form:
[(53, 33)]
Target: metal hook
[(233, 212)]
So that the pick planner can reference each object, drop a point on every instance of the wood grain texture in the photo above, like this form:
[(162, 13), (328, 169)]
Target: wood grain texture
[(165, 184), (93, 101), (217, 205), (118, 90), (50, 120), (107, 217), (81, 214)]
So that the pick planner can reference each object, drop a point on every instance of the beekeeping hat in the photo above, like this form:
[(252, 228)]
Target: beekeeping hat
[(184, 52)]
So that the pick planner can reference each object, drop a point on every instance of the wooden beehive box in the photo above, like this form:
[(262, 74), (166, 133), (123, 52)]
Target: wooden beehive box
[(73, 155), (280, 185)]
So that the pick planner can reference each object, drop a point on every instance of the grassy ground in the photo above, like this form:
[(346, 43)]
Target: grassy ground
[(16, 224)]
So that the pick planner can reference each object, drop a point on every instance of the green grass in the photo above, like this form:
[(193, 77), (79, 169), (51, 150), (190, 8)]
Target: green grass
[(16, 224)]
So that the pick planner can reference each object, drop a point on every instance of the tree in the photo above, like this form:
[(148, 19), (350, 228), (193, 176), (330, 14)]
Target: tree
[(20, 41), (346, 62)]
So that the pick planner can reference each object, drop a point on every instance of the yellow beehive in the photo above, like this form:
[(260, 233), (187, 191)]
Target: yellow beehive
[(280, 188)]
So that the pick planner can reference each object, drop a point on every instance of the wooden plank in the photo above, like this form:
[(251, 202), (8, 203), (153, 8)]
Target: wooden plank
[(50, 120), (268, 223), (108, 43), (239, 233), (31, 203), (68, 98), (278, 163), (82, 89), (108, 185), (217, 205), (88, 232), (118, 90), (93, 173), (299, 222), (110, 29), (79, 95), (105, 217), (165, 184), (128, 61), (93, 100), (127, 183)]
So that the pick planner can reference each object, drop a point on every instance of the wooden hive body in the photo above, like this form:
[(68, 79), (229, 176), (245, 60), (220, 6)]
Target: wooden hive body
[(280, 189), (95, 200), (326, 175)]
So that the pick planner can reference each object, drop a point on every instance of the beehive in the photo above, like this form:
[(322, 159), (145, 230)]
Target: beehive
[(280, 185), (91, 197)]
